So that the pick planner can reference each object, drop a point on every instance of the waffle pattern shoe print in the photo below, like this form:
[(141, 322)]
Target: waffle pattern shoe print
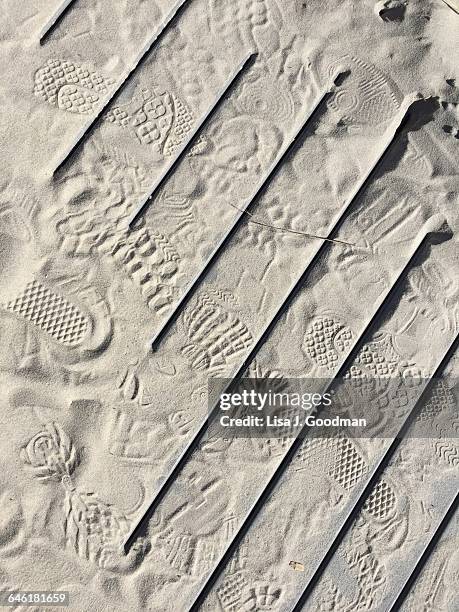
[(74, 318)]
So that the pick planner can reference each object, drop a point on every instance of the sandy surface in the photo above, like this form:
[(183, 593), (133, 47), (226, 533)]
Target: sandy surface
[(95, 419)]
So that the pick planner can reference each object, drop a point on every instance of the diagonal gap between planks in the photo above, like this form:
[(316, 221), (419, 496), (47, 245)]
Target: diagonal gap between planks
[(371, 483), (49, 27), (221, 96), (391, 137), (55, 19), (385, 301), (449, 515), (173, 15), (259, 191), (156, 341)]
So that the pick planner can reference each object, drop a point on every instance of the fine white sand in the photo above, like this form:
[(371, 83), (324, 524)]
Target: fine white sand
[(94, 420)]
